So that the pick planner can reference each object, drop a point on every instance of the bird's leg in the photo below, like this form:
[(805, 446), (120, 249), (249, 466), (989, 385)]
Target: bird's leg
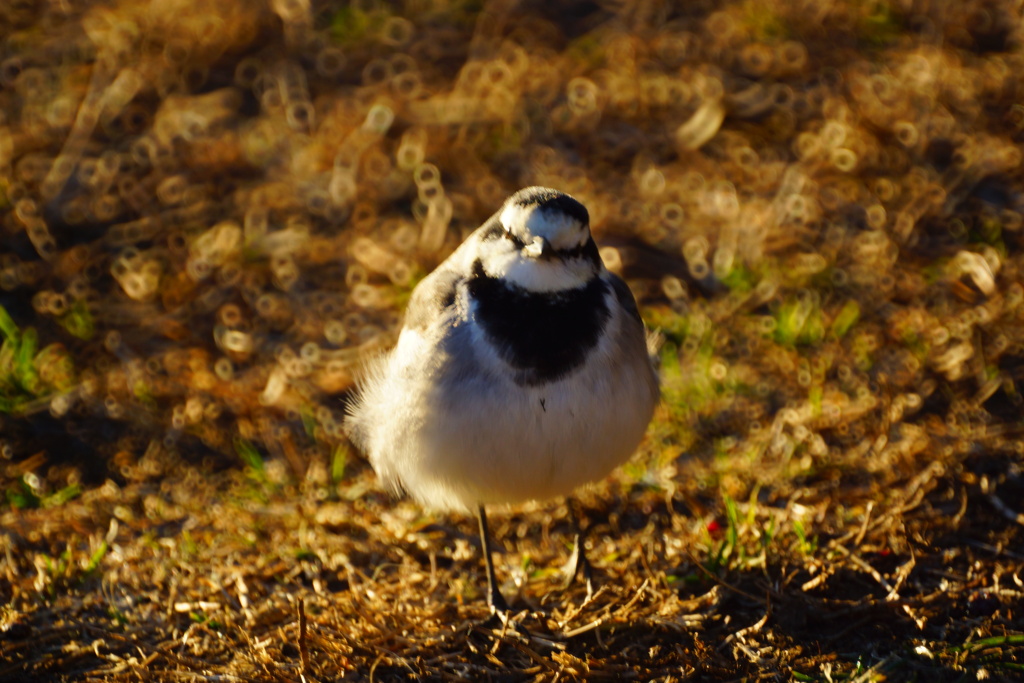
[(495, 600), (578, 562)]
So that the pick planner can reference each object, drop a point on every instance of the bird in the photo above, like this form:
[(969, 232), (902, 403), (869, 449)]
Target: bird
[(522, 371)]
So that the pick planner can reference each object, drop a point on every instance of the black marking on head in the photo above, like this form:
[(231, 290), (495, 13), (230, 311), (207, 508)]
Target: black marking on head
[(493, 229), (587, 250), (552, 200), (543, 335), (519, 244)]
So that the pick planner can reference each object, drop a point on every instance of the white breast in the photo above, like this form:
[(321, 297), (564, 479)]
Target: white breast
[(450, 427)]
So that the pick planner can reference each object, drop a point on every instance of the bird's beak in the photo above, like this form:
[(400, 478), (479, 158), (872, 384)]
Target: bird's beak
[(538, 248)]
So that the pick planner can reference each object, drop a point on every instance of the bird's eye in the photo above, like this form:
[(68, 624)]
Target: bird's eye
[(515, 240)]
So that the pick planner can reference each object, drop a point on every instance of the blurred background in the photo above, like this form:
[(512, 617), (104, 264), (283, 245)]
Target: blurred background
[(211, 212)]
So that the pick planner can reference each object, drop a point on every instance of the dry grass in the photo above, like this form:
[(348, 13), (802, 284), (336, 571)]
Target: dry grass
[(212, 211), (235, 578)]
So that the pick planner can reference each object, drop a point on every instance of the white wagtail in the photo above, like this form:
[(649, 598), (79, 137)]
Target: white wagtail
[(523, 371)]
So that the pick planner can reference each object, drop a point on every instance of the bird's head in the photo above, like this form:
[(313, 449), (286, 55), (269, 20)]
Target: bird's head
[(542, 242)]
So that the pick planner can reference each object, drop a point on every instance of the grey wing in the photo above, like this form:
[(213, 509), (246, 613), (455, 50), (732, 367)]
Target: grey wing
[(652, 339), (432, 297), (625, 296), (435, 295), (430, 302)]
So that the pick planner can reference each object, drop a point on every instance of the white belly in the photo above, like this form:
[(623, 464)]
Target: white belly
[(461, 436)]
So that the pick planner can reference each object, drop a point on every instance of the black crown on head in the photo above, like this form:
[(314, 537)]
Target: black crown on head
[(552, 200)]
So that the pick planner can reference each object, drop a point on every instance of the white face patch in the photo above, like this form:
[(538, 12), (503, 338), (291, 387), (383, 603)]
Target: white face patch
[(501, 259), (562, 231)]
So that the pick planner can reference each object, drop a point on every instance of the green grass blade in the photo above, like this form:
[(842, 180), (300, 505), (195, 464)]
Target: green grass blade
[(8, 327)]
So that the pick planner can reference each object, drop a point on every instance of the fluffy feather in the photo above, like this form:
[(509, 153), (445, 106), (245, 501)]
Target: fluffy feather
[(447, 417)]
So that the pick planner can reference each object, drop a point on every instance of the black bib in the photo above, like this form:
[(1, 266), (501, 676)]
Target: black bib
[(543, 335)]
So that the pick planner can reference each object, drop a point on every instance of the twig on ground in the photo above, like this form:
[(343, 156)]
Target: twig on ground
[(864, 527), (303, 645), (744, 632), (989, 489), (871, 571)]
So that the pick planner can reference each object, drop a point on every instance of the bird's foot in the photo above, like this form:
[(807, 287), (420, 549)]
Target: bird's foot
[(505, 621)]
